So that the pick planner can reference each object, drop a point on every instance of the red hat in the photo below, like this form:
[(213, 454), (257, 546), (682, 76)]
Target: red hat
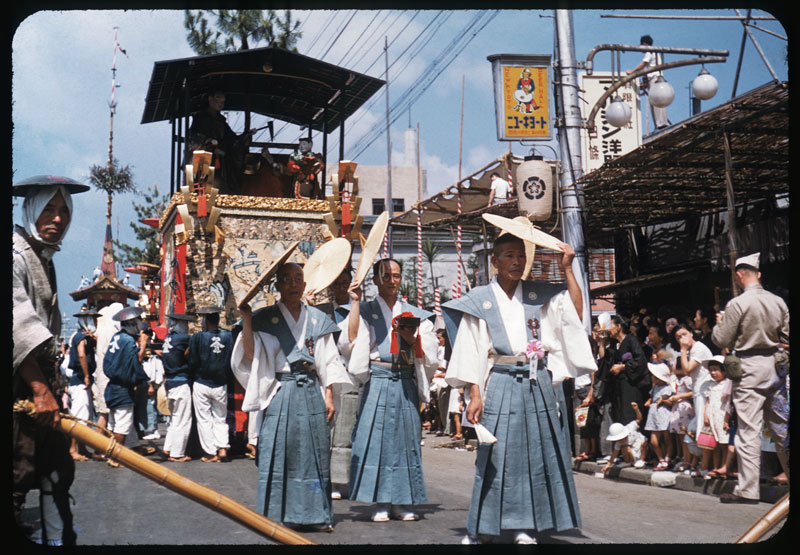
[(394, 346)]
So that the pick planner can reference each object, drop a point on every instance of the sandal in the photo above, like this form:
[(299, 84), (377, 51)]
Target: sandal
[(582, 457), (663, 464)]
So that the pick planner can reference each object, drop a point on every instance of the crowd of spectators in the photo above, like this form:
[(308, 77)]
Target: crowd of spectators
[(660, 383)]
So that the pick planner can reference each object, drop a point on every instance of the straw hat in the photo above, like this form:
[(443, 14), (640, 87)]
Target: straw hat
[(524, 232), (178, 316), (22, 188), (659, 370), (719, 359), (371, 247), (616, 432), (530, 248), (326, 264), (270, 271)]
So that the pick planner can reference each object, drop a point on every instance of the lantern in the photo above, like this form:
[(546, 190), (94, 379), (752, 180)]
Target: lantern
[(618, 113), (661, 93), (534, 185), (704, 85)]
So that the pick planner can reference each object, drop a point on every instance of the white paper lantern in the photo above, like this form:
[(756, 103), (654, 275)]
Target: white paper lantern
[(618, 113), (661, 93), (534, 184), (704, 85)]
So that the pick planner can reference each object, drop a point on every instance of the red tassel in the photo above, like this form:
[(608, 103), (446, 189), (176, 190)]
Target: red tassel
[(418, 347), (394, 349)]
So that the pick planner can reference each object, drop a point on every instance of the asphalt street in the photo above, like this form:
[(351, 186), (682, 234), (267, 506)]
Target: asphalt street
[(117, 506)]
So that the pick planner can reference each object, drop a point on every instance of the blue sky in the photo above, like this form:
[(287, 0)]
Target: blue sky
[(61, 83)]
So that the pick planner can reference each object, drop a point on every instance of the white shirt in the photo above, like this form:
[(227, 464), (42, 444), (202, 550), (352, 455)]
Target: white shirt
[(500, 188), (562, 335), (258, 377)]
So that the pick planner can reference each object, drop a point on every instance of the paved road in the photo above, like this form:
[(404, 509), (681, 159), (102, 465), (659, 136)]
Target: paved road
[(121, 507)]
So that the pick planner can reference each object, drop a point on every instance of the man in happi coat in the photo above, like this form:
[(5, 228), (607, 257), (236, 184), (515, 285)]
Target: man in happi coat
[(40, 453), (286, 359), (178, 383), (210, 359), (122, 365), (386, 463), (515, 342)]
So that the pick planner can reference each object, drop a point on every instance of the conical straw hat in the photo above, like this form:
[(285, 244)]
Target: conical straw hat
[(371, 247), (524, 232), (268, 273), (326, 264)]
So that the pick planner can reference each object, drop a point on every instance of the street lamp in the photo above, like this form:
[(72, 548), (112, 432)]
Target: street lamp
[(618, 112), (704, 85), (661, 93)]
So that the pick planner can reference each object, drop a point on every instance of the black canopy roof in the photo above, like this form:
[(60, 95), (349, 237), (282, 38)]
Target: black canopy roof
[(272, 81)]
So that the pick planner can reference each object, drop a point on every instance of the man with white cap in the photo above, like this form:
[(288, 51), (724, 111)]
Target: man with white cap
[(523, 482), (122, 365), (41, 458), (755, 325), (210, 360), (178, 383)]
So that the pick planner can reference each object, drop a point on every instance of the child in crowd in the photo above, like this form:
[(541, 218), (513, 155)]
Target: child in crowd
[(682, 412), (717, 414), (628, 442), (660, 413)]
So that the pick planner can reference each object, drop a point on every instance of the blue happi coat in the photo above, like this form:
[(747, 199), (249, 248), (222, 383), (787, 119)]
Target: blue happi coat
[(121, 365), (173, 357), (293, 458), (386, 463), (210, 356), (75, 361), (524, 481)]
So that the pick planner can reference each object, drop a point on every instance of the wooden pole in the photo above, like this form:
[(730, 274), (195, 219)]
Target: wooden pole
[(174, 481), (731, 211), (389, 201)]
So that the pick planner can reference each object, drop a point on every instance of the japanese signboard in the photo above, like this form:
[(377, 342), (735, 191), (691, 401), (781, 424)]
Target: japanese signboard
[(608, 142), (522, 96)]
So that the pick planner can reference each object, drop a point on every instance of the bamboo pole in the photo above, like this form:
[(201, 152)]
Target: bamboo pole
[(766, 522), (176, 482)]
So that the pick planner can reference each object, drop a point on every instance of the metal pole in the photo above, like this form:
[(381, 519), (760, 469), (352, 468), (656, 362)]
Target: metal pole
[(758, 48), (739, 62), (569, 131), (389, 203)]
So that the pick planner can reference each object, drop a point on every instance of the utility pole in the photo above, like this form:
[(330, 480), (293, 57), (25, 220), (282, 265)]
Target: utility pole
[(568, 116)]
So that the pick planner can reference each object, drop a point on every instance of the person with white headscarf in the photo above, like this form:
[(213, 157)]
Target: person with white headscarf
[(82, 363), (41, 453)]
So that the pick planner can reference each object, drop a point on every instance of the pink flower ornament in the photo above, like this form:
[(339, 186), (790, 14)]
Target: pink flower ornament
[(534, 349)]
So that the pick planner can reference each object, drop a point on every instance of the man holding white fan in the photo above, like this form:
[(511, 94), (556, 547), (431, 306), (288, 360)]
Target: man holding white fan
[(510, 352)]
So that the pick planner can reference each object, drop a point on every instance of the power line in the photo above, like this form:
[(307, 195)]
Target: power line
[(357, 38), (432, 72)]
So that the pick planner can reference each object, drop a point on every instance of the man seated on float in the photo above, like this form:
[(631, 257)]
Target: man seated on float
[(210, 131), (286, 359)]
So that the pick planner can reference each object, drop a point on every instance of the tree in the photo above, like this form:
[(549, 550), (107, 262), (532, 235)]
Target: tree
[(244, 26), (112, 179), (237, 29), (431, 251), (153, 206)]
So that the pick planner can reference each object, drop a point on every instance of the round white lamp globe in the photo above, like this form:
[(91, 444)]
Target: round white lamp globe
[(618, 113), (661, 93), (704, 85)]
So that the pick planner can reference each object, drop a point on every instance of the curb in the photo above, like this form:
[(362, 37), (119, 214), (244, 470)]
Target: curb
[(769, 493)]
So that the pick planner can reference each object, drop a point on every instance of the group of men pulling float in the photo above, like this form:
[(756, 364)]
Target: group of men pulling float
[(294, 361)]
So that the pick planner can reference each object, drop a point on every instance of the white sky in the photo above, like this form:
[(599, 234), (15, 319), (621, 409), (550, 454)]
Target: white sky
[(61, 83)]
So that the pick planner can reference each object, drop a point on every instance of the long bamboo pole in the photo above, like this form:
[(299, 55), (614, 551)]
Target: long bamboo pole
[(176, 482), (766, 522)]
